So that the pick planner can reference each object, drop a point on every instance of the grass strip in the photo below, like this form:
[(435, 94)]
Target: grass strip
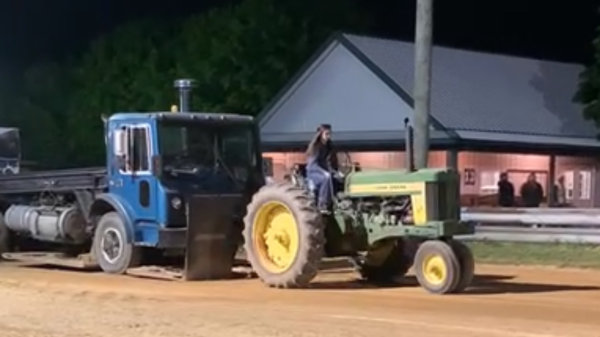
[(548, 254)]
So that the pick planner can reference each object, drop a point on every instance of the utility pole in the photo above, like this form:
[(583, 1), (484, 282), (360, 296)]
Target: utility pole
[(422, 89)]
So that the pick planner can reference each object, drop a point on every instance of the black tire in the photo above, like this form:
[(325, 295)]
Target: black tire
[(448, 260), (308, 227), (396, 265), (466, 262), (112, 227)]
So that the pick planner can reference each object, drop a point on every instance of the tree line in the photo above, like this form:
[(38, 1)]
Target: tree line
[(240, 56)]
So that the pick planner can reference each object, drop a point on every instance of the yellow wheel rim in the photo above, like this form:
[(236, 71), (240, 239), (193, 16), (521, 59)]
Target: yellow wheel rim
[(435, 270), (275, 236)]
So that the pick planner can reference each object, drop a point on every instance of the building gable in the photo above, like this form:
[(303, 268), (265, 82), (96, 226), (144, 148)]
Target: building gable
[(342, 91), (339, 89)]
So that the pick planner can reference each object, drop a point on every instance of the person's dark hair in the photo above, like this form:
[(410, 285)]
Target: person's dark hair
[(312, 146), (324, 127)]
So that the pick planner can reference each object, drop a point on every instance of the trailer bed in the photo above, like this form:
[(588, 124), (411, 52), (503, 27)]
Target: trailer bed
[(91, 178)]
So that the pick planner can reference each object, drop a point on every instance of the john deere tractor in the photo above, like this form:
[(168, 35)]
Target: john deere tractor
[(386, 221)]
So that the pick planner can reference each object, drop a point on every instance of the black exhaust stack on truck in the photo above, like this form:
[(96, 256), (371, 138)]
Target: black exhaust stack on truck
[(184, 87)]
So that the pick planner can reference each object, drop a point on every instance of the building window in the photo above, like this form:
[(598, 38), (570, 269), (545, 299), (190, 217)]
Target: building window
[(489, 182), (569, 184), (585, 185)]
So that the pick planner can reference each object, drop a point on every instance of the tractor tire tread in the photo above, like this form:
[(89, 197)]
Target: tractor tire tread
[(453, 271), (466, 262), (311, 230)]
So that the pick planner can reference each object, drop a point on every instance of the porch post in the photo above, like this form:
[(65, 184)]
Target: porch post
[(551, 180), (452, 159)]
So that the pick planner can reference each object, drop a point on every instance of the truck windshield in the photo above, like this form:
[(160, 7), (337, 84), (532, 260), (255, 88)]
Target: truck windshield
[(204, 150)]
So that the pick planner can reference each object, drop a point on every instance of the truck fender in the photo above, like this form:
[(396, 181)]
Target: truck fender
[(107, 202)]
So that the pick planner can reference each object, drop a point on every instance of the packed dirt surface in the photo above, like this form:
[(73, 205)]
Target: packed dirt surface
[(505, 301)]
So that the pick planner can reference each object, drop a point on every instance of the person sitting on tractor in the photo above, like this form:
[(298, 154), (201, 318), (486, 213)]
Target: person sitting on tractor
[(321, 165)]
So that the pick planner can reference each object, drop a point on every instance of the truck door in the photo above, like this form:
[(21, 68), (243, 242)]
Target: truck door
[(138, 184)]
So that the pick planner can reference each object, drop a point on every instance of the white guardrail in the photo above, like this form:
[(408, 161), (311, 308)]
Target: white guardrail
[(543, 225)]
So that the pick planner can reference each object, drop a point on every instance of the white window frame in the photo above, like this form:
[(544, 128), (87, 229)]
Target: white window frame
[(569, 184), (488, 182), (585, 185), (149, 143)]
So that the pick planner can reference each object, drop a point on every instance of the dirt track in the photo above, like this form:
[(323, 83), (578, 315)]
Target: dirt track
[(506, 301)]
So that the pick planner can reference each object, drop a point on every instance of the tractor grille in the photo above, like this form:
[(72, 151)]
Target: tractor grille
[(448, 200), (442, 204)]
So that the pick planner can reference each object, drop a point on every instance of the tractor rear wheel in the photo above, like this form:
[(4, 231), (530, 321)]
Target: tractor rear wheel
[(466, 262), (284, 236), (394, 265), (437, 267)]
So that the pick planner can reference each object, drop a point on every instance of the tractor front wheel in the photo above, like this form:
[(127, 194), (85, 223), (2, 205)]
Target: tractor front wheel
[(284, 236), (437, 267), (466, 262)]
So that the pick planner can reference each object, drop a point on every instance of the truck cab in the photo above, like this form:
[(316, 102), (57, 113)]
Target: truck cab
[(160, 164)]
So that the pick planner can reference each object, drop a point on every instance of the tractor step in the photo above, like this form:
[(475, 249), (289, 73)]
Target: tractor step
[(83, 261)]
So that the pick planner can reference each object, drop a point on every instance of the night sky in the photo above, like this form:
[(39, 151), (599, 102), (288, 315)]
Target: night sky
[(31, 30)]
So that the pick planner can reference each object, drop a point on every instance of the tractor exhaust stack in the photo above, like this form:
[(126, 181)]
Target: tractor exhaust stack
[(184, 87), (410, 151)]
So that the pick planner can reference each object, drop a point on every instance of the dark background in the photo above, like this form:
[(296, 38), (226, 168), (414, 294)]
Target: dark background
[(33, 30)]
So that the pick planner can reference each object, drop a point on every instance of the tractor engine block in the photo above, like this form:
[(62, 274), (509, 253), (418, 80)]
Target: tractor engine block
[(388, 211)]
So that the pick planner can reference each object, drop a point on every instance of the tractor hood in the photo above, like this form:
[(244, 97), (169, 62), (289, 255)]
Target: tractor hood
[(378, 182)]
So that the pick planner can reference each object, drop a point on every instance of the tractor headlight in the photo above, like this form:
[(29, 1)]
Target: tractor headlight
[(176, 202)]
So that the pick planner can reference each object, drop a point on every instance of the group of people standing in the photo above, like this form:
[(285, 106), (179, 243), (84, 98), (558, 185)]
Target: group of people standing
[(322, 166), (531, 192)]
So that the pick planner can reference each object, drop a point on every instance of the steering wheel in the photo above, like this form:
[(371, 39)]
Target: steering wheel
[(346, 165), (189, 155)]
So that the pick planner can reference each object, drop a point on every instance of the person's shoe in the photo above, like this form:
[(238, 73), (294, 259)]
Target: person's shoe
[(324, 210)]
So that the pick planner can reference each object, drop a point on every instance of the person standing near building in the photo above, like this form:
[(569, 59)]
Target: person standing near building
[(506, 191), (532, 192), (560, 193)]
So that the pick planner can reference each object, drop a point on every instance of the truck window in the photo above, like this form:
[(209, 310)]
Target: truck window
[(140, 155), (209, 149), (237, 147), (120, 141)]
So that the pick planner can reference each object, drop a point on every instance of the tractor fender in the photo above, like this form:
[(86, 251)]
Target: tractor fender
[(107, 202)]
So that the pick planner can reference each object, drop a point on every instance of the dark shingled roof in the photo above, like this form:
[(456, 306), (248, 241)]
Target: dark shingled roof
[(487, 92), (478, 99)]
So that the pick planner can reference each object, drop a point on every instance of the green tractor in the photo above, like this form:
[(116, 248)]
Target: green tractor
[(385, 221)]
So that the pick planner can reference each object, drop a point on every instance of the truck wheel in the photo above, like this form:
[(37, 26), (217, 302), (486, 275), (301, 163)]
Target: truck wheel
[(437, 267), (111, 249), (4, 237), (466, 262), (395, 265), (284, 236)]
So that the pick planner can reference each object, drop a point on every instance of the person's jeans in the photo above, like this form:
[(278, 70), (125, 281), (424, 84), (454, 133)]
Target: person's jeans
[(323, 184)]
